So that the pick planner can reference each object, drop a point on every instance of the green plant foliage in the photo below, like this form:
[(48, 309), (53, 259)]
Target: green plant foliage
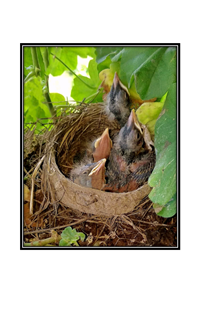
[(148, 113), (70, 237), (41, 63), (153, 69), (57, 99), (34, 106), (67, 55), (27, 60), (104, 56), (81, 91), (59, 103), (102, 53), (169, 209), (163, 178)]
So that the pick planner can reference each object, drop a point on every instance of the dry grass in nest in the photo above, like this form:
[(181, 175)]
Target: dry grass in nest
[(96, 213)]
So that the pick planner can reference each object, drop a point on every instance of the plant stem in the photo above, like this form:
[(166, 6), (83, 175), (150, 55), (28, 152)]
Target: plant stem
[(91, 87), (55, 238), (45, 58), (44, 54), (35, 60)]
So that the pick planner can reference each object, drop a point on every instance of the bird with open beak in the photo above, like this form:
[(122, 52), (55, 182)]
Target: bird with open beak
[(95, 150), (91, 175), (102, 146), (127, 168), (118, 102)]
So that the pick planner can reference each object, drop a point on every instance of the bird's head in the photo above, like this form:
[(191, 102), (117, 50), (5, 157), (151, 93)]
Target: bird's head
[(91, 175), (119, 101), (130, 138)]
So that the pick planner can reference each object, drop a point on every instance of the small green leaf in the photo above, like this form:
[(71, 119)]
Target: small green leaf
[(70, 236), (148, 113)]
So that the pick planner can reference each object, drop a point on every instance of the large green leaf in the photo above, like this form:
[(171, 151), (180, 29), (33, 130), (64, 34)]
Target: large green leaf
[(68, 55), (154, 69), (65, 54), (80, 90), (83, 52), (103, 52), (34, 106), (163, 178), (132, 59)]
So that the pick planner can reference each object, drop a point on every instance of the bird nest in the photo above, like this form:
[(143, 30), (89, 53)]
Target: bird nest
[(108, 219), (66, 143)]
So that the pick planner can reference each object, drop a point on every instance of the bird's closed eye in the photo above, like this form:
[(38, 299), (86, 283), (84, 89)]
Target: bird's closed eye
[(138, 135)]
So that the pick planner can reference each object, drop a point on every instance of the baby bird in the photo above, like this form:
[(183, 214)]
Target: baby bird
[(95, 150), (126, 146), (91, 175), (127, 168), (102, 146), (118, 102)]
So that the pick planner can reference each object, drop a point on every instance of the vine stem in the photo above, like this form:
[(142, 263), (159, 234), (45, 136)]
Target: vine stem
[(91, 87)]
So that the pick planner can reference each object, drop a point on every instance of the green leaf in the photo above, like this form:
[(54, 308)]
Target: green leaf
[(132, 59), (169, 209), (27, 60), (103, 52), (156, 75), (154, 69), (83, 52), (104, 64), (163, 178), (70, 236), (166, 129), (80, 90), (57, 99), (67, 55), (34, 106), (148, 113)]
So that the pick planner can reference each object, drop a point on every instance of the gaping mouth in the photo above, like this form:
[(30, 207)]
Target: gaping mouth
[(105, 136), (98, 167)]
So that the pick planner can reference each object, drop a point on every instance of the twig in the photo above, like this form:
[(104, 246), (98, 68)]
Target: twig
[(32, 184), (59, 227)]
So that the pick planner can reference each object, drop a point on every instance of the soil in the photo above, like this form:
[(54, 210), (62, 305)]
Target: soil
[(139, 228)]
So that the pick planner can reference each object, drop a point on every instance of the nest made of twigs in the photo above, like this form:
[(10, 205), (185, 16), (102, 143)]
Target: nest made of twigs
[(66, 142)]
